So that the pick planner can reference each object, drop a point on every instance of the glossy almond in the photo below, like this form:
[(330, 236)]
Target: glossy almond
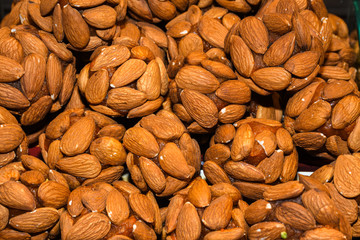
[(78, 138), (254, 34), (125, 98), (196, 78), (188, 223), (345, 173), (242, 56), (11, 135), (128, 72), (173, 162), (272, 78), (90, 226), (141, 142), (295, 215), (16, 195), (218, 214)]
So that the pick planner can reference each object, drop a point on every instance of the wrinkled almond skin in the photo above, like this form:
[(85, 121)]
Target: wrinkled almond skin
[(141, 142), (36, 221), (16, 195), (218, 214)]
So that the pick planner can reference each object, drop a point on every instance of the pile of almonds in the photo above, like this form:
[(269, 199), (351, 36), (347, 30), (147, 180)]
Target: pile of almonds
[(177, 120), (37, 73)]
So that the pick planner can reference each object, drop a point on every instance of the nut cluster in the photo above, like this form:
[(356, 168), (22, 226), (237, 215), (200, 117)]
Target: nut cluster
[(177, 120)]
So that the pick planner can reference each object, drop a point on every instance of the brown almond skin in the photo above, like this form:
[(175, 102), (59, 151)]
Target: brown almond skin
[(173, 162), (188, 223), (78, 138), (37, 221), (196, 78), (142, 206), (152, 174), (90, 226), (267, 230), (75, 28), (255, 34), (218, 214), (199, 193), (83, 165), (53, 194), (295, 215), (16, 195), (200, 108), (141, 142), (11, 136)]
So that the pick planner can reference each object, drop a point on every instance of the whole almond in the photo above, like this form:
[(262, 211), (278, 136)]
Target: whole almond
[(36, 221), (83, 165), (212, 31), (267, 230), (125, 98), (101, 17), (79, 136), (53, 194), (255, 34), (75, 27), (141, 142), (200, 107), (188, 223), (11, 135), (272, 78), (10, 70), (349, 108), (152, 174), (142, 206), (345, 173), (97, 222), (295, 215), (16, 195), (218, 214), (242, 56), (199, 193), (234, 91), (196, 78), (173, 162), (283, 191), (302, 64), (128, 72)]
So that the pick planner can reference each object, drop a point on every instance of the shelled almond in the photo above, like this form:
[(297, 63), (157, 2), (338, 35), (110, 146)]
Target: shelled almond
[(37, 73), (111, 211), (206, 212), (162, 155), (204, 89), (259, 150), (279, 48), (83, 23), (321, 206), (323, 118), (85, 145), (129, 77)]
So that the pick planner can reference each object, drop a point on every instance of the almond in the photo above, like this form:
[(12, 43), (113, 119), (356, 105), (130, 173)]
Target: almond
[(75, 28), (83, 165), (218, 214), (10, 70), (313, 117), (241, 56), (256, 38), (90, 226), (77, 139), (280, 51), (188, 223), (295, 215), (100, 17), (53, 194), (267, 230), (152, 174), (36, 221), (11, 136), (283, 191), (196, 78), (349, 108), (16, 195), (141, 142), (302, 64), (125, 98), (345, 173), (258, 211), (128, 72), (142, 206), (272, 78), (199, 193), (212, 31)]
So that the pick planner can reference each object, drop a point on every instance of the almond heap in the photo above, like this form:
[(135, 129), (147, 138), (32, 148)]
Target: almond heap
[(110, 211), (341, 51), (13, 141), (279, 48), (32, 199), (156, 10), (321, 206), (85, 145), (37, 73), (162, 155), (129, 77), (259, 150), (206, 212), (324, 116), (83, 23), (204, 89)]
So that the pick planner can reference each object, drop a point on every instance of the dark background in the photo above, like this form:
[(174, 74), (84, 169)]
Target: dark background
[(342, 8)]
